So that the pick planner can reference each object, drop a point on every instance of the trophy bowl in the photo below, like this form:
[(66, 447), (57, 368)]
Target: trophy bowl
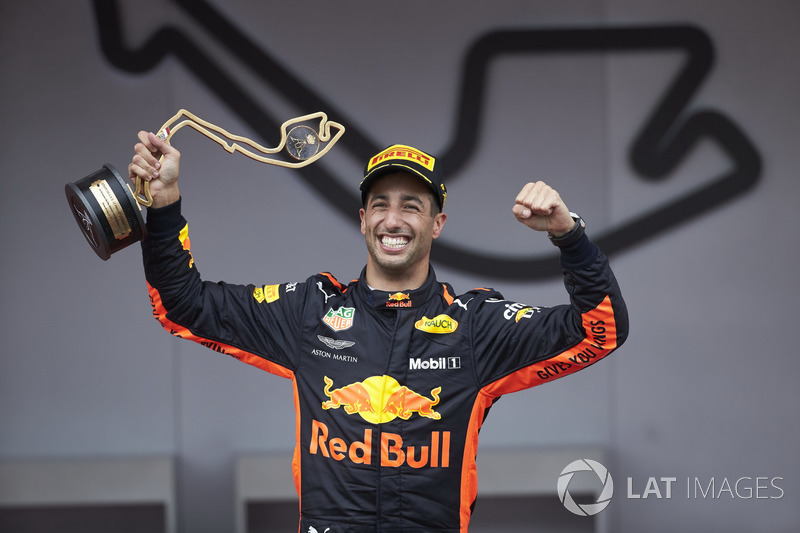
[(106, 211)]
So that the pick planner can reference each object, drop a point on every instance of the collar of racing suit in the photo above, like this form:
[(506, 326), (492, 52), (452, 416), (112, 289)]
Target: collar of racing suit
[(401, 299)]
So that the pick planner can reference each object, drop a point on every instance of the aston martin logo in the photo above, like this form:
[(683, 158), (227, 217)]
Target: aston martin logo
[(335, 344)]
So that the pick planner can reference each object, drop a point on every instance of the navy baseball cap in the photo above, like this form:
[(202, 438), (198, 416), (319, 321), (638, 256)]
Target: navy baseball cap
[(400, 157)]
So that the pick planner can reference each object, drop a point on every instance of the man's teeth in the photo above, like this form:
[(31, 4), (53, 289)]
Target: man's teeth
[(394, 242)]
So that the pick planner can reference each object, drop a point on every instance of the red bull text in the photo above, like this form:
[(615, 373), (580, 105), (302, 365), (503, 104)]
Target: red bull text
[(393, 452)]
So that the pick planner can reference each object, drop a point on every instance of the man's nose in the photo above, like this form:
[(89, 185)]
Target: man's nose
[(394, 218)]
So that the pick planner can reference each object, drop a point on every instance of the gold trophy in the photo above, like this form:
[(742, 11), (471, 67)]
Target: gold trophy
[(109, 212)]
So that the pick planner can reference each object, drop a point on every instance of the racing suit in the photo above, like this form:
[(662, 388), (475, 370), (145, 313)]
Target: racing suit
[(390, 389)]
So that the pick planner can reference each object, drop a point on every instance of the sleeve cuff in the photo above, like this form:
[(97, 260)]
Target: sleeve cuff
[(167, 220), (579, 254)]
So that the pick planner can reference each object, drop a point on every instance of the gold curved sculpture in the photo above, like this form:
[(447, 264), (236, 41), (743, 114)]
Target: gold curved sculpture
[(303, 143)]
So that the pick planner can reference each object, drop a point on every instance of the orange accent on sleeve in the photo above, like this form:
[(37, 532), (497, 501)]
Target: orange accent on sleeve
[(600, 340), (160, 314)]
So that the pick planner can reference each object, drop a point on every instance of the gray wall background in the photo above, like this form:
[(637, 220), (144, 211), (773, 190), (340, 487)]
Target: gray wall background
[(705, 387)]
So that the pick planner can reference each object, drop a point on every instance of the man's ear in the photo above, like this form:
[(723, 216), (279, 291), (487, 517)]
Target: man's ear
[(438, 224), (361, 214)]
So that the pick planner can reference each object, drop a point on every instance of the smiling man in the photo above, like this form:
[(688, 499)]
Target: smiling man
[(399, 220), (395, 372)]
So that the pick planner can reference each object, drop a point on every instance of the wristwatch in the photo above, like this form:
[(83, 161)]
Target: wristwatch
[(573, 235)]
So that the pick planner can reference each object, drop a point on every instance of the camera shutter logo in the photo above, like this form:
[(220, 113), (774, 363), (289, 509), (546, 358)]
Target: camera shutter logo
[(585, 465)]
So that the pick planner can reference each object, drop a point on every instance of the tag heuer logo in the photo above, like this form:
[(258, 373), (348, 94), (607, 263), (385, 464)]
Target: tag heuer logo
[(340, 319)]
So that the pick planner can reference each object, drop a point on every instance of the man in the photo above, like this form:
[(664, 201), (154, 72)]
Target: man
[(393, 373)]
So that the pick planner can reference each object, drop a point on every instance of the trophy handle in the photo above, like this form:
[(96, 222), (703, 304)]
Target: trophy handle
[(303, 143), (142, 193)]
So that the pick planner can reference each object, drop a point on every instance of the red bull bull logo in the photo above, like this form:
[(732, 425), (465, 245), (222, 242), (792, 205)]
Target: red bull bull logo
[(380, 399), (399, 299), (354, 398), (404, 402)]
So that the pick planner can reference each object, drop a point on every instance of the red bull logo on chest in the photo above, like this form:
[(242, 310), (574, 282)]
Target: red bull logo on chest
[(380, 399)]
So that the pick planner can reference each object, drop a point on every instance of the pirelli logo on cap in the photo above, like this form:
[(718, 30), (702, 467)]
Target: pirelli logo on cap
[(399, 151)]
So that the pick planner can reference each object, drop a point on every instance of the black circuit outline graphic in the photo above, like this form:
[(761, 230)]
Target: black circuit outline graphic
[(668, 135)]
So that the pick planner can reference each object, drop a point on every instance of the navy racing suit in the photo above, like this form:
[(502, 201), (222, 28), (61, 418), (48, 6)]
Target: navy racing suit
[(391, 389)]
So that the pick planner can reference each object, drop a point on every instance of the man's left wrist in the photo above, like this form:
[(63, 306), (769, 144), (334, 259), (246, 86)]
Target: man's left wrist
[(572, 235)]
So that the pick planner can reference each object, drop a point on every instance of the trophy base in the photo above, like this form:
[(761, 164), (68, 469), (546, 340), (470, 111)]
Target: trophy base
[(106, 211)]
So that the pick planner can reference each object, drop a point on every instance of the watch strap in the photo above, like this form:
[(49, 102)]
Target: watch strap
[(572, 235)]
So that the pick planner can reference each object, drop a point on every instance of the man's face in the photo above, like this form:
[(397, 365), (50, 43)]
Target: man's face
[(399, 224)]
